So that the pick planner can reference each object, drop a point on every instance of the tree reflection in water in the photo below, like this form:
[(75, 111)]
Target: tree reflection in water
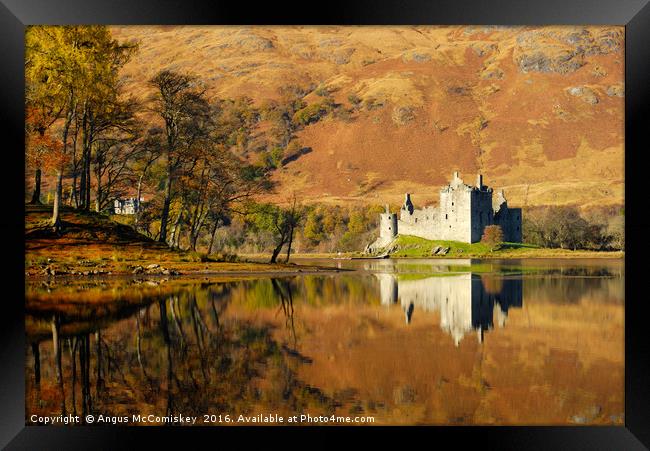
[(260, 345), (186, 361)]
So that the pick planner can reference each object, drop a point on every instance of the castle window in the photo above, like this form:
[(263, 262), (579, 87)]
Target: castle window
[(452, 204), (517, 228), (416, 219), (445, 216)]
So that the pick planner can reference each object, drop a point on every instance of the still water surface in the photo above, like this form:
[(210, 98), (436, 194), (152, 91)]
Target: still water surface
[(403, 341)]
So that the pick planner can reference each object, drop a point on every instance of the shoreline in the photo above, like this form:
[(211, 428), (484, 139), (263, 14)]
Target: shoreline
[(610, 255), (253, 267)]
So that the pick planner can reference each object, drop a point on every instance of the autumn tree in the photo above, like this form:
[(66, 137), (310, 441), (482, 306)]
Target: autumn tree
[(148, 150), (280, 222), (223, 186), (41, 114), (492, 236), (183, 109), (566, 228), (74, 69)]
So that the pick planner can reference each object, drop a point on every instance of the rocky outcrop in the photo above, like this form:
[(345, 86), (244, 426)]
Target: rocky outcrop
[(588, 95), (616, 90), (562, 61), (154, 268), (562, 52), (416, 56), (402, 115)]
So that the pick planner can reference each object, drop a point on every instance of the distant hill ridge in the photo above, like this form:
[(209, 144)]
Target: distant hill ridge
[(538, 111)]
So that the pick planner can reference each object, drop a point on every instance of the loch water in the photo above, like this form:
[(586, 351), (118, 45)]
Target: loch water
[(413, 341)]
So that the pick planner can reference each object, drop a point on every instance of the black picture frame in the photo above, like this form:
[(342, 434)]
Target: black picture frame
[(634, 14)]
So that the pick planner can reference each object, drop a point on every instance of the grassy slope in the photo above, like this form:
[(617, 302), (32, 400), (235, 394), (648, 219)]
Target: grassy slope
[(92, 243), (463, 86), (411, 246)]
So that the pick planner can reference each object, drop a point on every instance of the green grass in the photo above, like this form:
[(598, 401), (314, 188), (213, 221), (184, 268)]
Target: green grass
[(415, 247), (411, 246)]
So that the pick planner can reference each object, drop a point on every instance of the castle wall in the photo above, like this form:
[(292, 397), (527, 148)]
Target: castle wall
[(388, 226), (387, 229), (455, 212), (510, 220), (450, 221), (462, 215), (481, 213), (423, 223)]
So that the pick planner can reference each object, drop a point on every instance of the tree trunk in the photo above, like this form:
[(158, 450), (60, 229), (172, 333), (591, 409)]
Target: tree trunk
[(86, 142), (37, 365), (36, 195), (164, 217), (56, 214), (289, 244), (196, 231), (99, 381), (137, 201), (73, 370), (75, 165), (57, 361), (87, 191), (84, 367), (98, 193), (177, 243), (212, 234), (138, 346), (277, 250), (56, 219), (82, 184), (176, 228)]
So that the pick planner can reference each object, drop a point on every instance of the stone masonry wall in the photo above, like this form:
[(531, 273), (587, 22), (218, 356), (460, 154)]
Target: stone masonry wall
[(462, 215)]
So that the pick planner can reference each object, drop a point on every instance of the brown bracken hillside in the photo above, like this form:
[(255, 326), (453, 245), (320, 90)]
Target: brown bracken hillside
[(539, 111)]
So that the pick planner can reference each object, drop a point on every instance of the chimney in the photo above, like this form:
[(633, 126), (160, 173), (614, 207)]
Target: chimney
[(479, 181)]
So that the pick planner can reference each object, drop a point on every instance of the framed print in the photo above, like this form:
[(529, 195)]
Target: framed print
[(408, 214)]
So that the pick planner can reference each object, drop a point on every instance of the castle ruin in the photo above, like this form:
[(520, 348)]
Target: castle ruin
[(462, 215), (466, 302)]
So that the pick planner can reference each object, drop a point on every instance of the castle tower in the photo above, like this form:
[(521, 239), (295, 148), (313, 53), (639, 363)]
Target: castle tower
[(387, 226), (456, 180), (408, 205)]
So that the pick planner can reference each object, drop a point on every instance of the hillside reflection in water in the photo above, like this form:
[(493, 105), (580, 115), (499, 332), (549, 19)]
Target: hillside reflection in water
[(408, 342)]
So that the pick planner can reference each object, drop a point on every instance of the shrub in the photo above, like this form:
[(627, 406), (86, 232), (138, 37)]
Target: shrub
[(322, 91), (492, 237), (372, 103), (566, 228), (343, 114), (309, 114), (198, 257), (355, 100)]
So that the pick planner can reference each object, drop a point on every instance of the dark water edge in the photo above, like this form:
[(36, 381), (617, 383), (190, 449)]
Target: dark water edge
[(405, 341)]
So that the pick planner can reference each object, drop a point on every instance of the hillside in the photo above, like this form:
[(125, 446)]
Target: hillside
[(539, 111), (93, 244)]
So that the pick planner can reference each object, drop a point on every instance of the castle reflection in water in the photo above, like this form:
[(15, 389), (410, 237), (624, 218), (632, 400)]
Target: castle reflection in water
[(467, 302)]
